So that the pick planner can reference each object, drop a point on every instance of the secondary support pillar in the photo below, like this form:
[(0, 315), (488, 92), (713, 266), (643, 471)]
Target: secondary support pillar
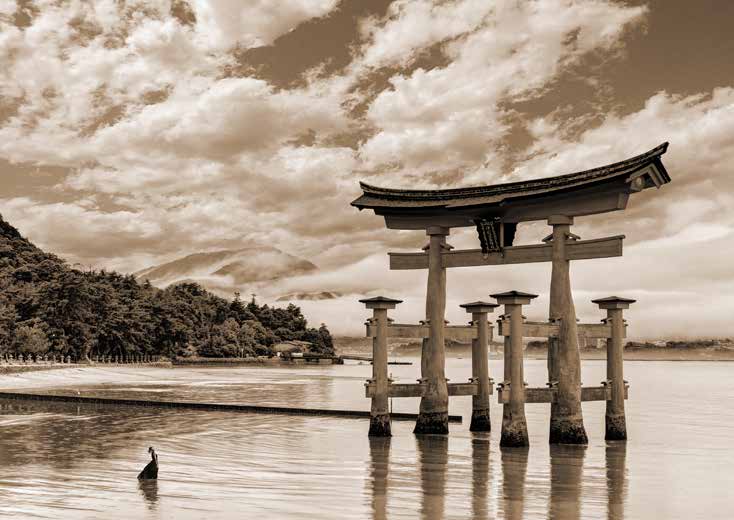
[(564, 360), (480, 421), (514, 424), (379, 409), (433, 416), (616, 424)]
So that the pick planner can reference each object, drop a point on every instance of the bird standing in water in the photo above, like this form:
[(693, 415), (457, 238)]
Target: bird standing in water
[(150, 472)]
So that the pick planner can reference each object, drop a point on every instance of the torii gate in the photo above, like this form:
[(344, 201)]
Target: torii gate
[(496, 211)]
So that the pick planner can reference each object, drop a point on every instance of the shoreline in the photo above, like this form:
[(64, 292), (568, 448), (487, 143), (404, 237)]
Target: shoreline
[(636, 355), (20, 369), (41, 367), (692, 350), (690, 355), (178, 363)]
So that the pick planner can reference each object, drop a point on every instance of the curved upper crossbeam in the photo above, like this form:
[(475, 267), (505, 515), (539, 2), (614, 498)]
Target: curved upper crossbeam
[(601, 189)]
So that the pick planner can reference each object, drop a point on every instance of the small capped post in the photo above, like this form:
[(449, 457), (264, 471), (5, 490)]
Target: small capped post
[(480, 421), (379, 410), (514, 424), (616, 423)]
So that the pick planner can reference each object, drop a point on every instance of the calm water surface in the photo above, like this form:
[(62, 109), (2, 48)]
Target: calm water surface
[(68, 461)]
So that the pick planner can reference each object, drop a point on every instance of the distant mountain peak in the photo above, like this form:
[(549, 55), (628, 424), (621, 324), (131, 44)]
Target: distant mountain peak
[(309, 296), (229, 269)]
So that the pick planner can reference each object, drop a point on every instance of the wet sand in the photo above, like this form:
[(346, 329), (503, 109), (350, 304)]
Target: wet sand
[(75, 375)]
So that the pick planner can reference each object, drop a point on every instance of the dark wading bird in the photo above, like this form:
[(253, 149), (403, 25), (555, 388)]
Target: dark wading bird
[(150, 472)]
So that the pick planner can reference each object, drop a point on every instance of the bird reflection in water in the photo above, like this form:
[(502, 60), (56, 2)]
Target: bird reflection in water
[(514, 469), (379, 464), (149, 490), (480, 475), (433, 456), (616, 452)]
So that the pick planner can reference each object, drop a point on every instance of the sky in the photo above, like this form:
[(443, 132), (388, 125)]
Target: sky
[(136, 132)]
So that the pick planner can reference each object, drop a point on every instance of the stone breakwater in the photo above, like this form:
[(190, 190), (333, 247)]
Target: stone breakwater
[(104, 401)]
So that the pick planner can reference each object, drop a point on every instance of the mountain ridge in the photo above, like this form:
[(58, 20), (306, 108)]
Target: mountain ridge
[(50, 308), (228, 267)]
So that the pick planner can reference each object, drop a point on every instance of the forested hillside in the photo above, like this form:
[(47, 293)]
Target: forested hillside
[(48, 307)]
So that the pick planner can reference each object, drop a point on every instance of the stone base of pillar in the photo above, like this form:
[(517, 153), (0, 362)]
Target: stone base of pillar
[(432, 423), (380, 426), (616, 428), (567, 430), (480, 421), (514, 433)]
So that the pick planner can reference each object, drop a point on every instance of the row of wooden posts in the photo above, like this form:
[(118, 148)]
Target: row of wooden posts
[(20, 359), (513, 393), (11, 359), (134, 358)]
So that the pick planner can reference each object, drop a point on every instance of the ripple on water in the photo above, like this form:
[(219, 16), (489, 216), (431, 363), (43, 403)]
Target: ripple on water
[(63, 460)]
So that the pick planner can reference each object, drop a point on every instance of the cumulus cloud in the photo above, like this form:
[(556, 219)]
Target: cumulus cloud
[(449, 117), (163, 144), (254, 23), (700, 129), (678, 246)]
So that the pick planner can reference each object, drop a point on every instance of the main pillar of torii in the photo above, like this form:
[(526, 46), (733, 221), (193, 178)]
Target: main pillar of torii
[(496, 211), (433, 416), (564, 360)]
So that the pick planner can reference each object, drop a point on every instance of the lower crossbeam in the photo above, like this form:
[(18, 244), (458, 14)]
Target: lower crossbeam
[(548, 395), (418, 389)]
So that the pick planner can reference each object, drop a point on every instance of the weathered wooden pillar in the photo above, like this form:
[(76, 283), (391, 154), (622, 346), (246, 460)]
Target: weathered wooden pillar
[(564, 360), (379, 409), (433, 415), (616, 424), (480, 421), (514, 425)]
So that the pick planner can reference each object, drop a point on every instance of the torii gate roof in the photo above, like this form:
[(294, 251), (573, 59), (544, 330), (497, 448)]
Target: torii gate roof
[(601, 189)]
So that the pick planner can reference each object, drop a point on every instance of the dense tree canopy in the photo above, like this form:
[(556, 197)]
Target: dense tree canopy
[(46, 307)]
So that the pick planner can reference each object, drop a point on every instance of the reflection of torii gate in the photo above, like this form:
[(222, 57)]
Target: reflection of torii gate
[(495, 211)]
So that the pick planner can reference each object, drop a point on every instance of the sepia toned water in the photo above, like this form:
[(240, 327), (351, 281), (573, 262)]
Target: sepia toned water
[(69, 461)]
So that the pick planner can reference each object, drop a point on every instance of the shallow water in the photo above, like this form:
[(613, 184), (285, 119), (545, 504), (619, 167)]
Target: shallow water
[(69, 461)]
